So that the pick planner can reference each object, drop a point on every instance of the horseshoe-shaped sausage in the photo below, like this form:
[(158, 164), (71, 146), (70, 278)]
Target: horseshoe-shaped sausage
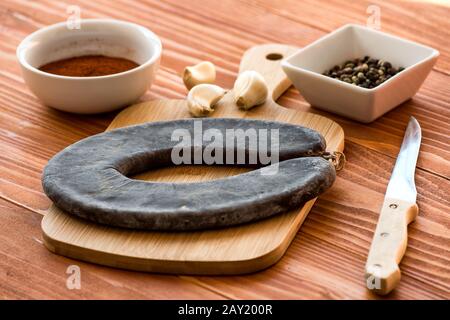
[(89, 178)]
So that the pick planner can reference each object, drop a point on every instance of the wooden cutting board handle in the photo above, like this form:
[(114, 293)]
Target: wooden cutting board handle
[(266, 59)]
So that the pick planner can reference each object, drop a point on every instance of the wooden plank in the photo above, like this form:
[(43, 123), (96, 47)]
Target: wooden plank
[(328, 255), (225, 54), (326, 260), (30, 133), (431, 27), (29, 271), (430, 106)]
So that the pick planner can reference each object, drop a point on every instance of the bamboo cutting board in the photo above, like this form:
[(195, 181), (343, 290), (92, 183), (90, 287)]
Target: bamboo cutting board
[(235, 250)]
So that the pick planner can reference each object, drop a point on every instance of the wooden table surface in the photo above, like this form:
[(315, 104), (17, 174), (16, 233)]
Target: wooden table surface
[(326, 259)]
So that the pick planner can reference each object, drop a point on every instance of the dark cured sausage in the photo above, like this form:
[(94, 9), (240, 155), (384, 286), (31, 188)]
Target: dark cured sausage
[(89, 178)]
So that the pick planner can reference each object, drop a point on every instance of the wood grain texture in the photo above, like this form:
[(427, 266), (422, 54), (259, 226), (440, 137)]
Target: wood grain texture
[(260, 244), (30, 271), (326, 259)]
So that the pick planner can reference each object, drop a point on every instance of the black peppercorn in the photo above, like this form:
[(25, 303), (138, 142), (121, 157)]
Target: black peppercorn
[(348, 70), (364, 72), (387, 65)]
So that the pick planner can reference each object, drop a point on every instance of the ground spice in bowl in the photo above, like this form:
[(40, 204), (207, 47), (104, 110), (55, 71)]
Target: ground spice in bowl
[(89, 66), (364, 72)]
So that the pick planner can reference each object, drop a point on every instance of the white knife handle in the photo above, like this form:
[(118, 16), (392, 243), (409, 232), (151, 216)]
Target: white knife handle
[(389, 245)]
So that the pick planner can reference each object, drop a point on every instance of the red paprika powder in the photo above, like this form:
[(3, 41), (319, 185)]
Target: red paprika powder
[(88, 66)]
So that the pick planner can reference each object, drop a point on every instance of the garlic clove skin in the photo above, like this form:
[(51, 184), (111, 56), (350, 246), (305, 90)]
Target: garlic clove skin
[(202, 98), (203, 72), (250, 89)]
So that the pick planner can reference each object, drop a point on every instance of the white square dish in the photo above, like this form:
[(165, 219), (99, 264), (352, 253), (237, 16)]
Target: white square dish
[(305, 68)]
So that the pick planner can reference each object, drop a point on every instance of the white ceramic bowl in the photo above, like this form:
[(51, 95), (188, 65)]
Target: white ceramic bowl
[(305, 69), (94, 37)]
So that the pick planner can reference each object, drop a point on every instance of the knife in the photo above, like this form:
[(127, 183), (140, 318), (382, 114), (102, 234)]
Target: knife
[(399, 209)]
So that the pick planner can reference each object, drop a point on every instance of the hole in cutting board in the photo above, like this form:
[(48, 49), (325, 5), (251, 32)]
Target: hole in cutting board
[(274, 56)]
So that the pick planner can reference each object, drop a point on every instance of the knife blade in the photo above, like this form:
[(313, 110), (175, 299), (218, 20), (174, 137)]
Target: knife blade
[(401, 185), (399, 209)]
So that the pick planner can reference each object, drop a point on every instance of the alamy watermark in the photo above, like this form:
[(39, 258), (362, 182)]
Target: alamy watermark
[(73, 22), (373, 281), (73, 281), (212, 147), (374, 19)]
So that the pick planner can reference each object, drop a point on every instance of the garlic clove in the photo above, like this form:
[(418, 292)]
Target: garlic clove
[(202, 98), (203, 72), (250, 89)]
